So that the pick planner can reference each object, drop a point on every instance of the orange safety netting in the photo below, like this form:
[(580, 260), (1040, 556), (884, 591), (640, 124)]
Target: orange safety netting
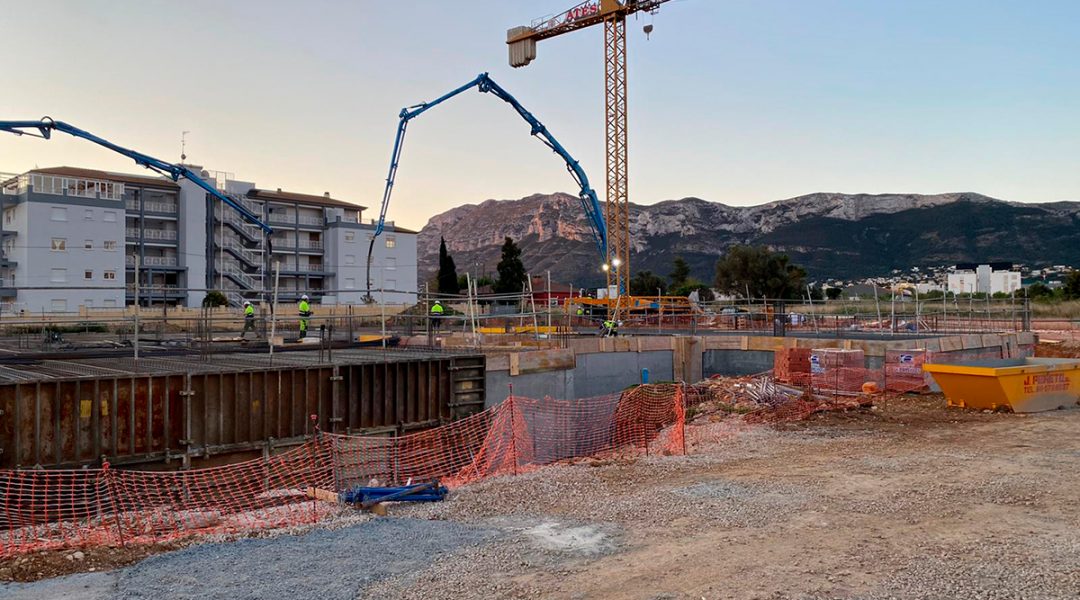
[(71, 508)]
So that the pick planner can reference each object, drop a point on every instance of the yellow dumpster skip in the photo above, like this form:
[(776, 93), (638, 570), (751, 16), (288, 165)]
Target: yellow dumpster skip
[(1022, 385)]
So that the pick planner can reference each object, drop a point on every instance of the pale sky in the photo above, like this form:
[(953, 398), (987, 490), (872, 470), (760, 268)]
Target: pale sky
[(735, 101)]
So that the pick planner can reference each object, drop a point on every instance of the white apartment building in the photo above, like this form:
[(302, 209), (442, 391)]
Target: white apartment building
[(983, 279), (74, 237)]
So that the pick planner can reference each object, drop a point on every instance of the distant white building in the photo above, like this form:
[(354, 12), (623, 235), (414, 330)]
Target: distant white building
[(983, 279)]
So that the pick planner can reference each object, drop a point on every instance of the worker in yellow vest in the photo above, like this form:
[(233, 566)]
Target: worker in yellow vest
[(249, 319), (436, 315), (305, 314)]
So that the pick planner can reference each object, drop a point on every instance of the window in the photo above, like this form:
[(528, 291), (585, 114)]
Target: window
[(350, 283), (391, 284), (350, 236), (59, 244), (9, 216), (58, 276), (110, 216), (88, 245), (59, 306), (391, 242), (391, 263), (350, 259), (88, 274), (109, 245), (58, 213), (89, 214), (110, 275)]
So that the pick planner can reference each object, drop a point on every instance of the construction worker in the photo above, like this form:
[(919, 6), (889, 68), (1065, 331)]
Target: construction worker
[(436, 314), (305, 314), (249, 319), (609, 329)]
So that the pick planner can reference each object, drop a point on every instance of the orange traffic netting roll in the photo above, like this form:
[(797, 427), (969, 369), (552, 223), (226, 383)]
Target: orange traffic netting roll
[(72, 508)]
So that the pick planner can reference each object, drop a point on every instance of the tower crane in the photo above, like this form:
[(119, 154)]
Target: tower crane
[(612, 13), (485, 84)]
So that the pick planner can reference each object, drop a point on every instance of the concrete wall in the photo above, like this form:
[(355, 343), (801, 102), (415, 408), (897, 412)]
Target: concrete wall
[(735, 362), (594, 367), (593, 374)]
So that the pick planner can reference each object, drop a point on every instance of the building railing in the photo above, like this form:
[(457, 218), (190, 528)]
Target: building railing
[(301, 268), (160, 207), (153, 261), (291, 244), (168, 235), (290, 219)]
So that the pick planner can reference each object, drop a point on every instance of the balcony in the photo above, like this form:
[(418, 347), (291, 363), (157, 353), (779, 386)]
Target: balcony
[(303, 269), (152, 261), (151, 235), (302, 245), (163, 208), (302, 220)]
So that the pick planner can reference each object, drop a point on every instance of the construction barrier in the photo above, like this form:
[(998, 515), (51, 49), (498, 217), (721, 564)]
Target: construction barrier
[(42, 509)]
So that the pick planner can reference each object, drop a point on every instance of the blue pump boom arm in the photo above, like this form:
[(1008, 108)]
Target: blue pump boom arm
[(484, 83), (46, 126)]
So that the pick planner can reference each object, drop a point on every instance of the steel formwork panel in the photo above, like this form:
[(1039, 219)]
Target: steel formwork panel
[(184, 409)]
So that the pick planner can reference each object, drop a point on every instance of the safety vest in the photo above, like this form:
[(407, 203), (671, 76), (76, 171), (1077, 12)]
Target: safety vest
[(304, 308), (609, 324), (437, 309), (249, 311), (580, 311)]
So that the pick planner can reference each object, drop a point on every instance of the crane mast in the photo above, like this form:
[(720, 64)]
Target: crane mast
[(612, 13)]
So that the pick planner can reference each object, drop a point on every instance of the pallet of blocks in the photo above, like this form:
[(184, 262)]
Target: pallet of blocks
[(792, 365)]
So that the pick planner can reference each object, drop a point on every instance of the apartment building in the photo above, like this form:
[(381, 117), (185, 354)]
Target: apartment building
[(990, 278), (75, 237)]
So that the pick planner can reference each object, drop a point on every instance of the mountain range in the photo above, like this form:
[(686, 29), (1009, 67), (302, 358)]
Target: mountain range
[(832, 235)]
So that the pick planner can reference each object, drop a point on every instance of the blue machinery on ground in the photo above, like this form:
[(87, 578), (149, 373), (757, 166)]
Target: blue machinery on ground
[(46, 126), (368, 497), (484, 83)]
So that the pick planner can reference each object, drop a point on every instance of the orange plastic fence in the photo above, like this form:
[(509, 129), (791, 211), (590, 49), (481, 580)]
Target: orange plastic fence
[(75, 508)]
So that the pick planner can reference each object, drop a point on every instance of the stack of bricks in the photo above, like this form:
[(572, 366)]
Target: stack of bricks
[(835, 370), (792, 365), (903, 370)]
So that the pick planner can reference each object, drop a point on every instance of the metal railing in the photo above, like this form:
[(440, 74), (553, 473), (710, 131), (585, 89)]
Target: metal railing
[(168, 235), (252, 257), (291, 219), (160, 207)]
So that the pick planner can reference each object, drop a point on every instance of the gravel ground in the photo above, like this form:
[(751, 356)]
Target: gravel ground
[(331, 564), (908, 501)]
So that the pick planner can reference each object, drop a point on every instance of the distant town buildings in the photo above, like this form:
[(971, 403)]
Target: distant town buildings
[(991, 278)]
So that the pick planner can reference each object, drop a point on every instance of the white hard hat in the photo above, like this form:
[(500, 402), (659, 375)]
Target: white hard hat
[(247, 302), (304, 297), (437, 302)]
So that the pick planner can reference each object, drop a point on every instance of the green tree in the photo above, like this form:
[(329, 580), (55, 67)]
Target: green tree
[(816, 293), (214, 298), (833, 293), (760, 271), (645, 283), (448, 277), (680, 272), (1038, 290), (511, 270), (1071, 285)]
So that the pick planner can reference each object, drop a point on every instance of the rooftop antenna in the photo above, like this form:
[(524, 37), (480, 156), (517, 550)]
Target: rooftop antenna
[(183, 145)]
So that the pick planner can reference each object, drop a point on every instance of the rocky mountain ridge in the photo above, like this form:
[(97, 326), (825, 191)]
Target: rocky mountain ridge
[(832, 234)]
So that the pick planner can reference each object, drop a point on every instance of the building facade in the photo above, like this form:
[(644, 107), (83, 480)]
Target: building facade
[(79, 238), (983, 279)]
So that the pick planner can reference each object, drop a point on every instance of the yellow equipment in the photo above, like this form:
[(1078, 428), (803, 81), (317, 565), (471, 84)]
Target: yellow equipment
[(1021, 385)]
